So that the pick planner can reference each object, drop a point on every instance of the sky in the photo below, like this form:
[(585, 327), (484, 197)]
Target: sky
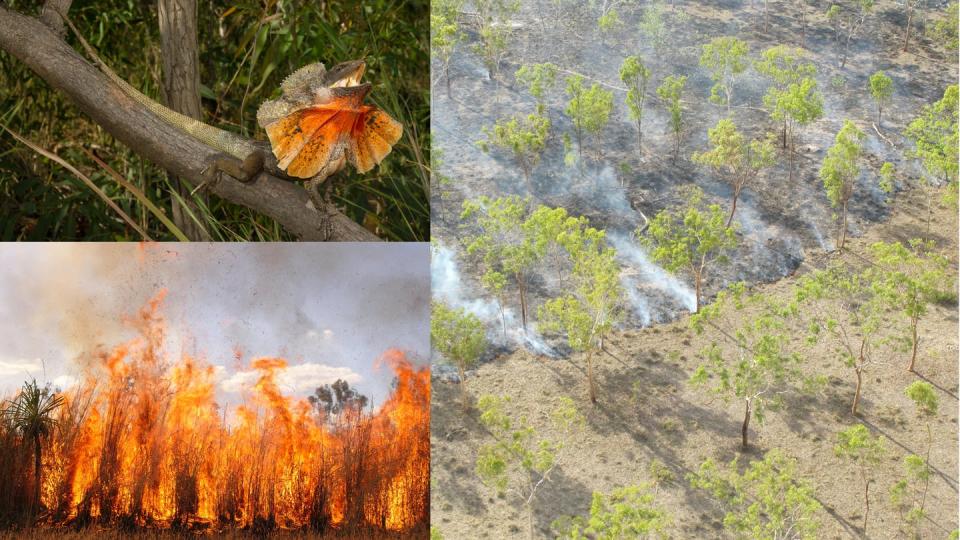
[(331, 310)]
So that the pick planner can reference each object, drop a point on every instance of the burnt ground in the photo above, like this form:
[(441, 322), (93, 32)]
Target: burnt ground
[(647, 411)]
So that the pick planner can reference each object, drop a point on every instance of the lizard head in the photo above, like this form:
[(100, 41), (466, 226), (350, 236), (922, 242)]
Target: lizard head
[(345, 74)]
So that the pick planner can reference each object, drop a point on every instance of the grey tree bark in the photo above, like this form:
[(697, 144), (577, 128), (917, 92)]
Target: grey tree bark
[(181, 92)]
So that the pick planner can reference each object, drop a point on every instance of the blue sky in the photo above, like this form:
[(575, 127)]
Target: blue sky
[(330, 309)]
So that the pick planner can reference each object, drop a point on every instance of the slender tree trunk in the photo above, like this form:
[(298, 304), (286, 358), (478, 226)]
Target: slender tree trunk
[(640, 136), (733, 207), (926, 480), (747, 413), (842, 233), (696, 280), (590, 381), (463, 385), (914, 343), (906, 36), (181, 92), (446, 76), (856, 396), (523, 300)]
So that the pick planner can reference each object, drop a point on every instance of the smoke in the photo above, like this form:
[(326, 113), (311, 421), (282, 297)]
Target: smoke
[(642, 270), (503, 327)]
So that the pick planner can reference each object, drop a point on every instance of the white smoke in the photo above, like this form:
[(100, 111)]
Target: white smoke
[(633, 256)]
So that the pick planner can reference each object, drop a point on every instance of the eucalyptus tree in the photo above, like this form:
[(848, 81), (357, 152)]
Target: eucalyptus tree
[(670, 92), (934, 135), (850, 19), (689, 239), (627, 512), (881, 88), (588, 108), (459, 337), (635, 75), (445, 34), (839, 172), (494, 17), (726, 58), (793, 99), (539, 79), (525, 137), (911, 491), (865, 451), (751, 362), (739, 162)]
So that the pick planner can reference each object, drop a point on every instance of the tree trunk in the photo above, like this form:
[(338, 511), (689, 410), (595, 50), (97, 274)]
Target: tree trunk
[(590, 381), (640, 136), (748, 412), (181, 92), (523, 301), (463, 385), (37, 463), (906, 37), (914, 343), (842, 233), (733, 207), (856, 396), (696, 279)]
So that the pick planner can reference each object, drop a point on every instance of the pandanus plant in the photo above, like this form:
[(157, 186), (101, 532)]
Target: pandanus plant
[(31, 413)]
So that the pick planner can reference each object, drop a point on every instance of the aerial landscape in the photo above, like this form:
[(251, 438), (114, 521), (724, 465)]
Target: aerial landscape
[(694, 269)]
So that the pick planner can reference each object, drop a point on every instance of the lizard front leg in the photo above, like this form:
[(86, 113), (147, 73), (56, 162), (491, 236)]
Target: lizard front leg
[(243, 171)]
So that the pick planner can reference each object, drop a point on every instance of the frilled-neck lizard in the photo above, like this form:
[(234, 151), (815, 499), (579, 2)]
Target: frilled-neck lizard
[(317, 125)]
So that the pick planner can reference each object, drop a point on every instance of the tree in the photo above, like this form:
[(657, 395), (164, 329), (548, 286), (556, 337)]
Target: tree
[(592, 303), (768, 500), (737, 161), (652, 26), (505, 247), (934, 135), (494, 17), (910, 6), (444, 34), (846, 306), (519, 460), (945, 30), (524, 137), (839, 172), (856, 444), (538, 78), (588, 109), (881, 88), (726, 58), (691, 239), (31, 413), (459, 337), (913, 277), (338, 400), (627, 512), (792, 100), (851, 20), (635, 75), (917, 468), (760, 366), (670, 91)]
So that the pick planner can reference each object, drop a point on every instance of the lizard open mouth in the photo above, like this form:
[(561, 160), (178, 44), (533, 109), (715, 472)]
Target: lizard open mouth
[(351, 78)]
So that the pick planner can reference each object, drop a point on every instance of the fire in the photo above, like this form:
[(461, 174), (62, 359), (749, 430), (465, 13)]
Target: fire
[(143, 442)]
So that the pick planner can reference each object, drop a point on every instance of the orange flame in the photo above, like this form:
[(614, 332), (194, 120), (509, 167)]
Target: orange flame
[(143, 442)]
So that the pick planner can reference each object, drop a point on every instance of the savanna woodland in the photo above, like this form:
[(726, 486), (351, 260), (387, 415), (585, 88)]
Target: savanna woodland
[(141, 444), (694, 269), (81, 161)]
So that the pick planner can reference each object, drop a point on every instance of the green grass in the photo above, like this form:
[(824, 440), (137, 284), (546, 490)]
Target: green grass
[(246, 49)]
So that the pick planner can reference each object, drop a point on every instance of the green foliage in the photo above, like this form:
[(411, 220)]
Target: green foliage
[(945, 30), (912, 277), (435, 533), (736, 160), (839, 171), (444, 33), (934, 134), (609, 21), (785, 65), (908, 494), (924, 397), (725, 57), (887, 177), (592, 302), (524, 137), (627, 512), (881, 89), (506, 249), (765, 502), (539, 78), (458, 336), (636, 76), (758, 366), (795, 106), (494, 17), (856, 444), (670, 91), (589, 109), (652, 25), (690, 238), (245, 56)]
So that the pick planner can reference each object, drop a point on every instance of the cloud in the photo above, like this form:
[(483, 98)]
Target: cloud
[(19, 366), (297, 379), (64, 382)]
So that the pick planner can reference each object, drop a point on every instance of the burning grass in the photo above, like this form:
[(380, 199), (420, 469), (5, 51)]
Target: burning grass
[(142, 443)]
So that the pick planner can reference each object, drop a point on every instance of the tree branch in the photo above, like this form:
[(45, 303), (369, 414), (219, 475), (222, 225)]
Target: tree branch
[(52, 59)]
